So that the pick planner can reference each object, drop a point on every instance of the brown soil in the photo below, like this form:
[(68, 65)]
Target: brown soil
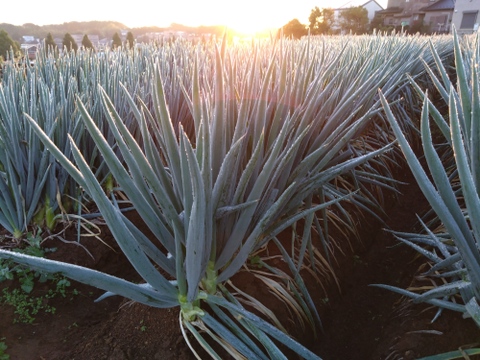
[(359, 322)]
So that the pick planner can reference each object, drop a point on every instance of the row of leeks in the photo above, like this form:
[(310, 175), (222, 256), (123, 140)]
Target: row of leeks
[(268, 132), (34, 190), (450, 241)]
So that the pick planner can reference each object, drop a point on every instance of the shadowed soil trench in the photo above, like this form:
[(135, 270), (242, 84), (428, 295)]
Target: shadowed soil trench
[(367, 322)]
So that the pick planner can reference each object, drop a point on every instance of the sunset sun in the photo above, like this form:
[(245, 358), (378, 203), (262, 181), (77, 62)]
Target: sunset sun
[(248, 17)]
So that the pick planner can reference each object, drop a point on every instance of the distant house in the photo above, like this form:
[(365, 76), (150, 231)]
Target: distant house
[(28, 39), (438, 16), (435, 15), (371, 6), (465, 16), (78, 39), (59, 42), (391, 16), (31, 52), (95, 40), (104, 43), (404, 12), (30, 46)]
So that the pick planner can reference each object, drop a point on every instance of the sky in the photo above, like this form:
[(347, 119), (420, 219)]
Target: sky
[(247, 16)]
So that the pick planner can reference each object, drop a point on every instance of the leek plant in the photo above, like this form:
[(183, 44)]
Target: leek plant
[(336, 88), (226, 149), (214, 197), (31, 180), (35, 190), (451, 185)]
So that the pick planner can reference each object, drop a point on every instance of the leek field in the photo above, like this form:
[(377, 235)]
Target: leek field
[(277, 199)]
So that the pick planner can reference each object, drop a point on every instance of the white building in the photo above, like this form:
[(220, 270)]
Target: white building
[(371, 6), (465, 16)]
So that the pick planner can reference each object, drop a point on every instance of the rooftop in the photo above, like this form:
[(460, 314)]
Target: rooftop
[(440, 5), (354, 3), (391, 10)]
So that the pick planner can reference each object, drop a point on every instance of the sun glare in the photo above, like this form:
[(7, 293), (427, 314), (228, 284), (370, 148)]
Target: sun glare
[(250, 19), (246, 17), (246, 28)]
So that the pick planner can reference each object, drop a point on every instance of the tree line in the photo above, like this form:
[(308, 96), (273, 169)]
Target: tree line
[(9, 47), (104, 29), (69, 42), (322, 22)]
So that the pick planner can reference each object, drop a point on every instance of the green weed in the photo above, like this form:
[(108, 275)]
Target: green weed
[(27, 305), (3, 349)]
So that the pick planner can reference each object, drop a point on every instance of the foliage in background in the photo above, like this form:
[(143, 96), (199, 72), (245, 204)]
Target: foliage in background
[(86, 43), (69, 43), (130, 40), (294, 29), (7, 44), (321, 21), (354, 19), (101, 28), (104, 29), (116, 41), (50, 44)]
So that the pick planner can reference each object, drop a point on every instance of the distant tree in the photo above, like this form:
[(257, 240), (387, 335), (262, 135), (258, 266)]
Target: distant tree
[(321, 21), (130, 40), (86, 43), (50, 44), (294, 29), (116, 41), (354, 19), (69, 42), (7, 44), (377, 23)]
